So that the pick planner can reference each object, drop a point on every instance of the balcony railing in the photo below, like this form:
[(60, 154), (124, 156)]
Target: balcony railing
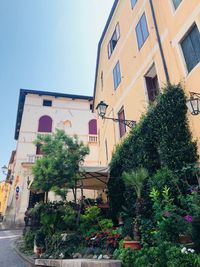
[(32, 158), (92, 138)]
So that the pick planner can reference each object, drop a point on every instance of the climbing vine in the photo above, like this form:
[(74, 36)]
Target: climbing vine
[(161, 139)]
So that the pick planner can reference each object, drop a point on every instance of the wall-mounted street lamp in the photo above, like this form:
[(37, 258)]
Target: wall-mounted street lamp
[(4, 170), (102, 107), (28, 181), (193, 103), (7, 172)]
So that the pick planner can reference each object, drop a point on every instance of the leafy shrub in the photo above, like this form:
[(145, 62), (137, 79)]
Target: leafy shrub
[(62, 245), (29, 240), (127, 228), (169, 221), (40, 238), (90, 219), (164, 255), (69, 218), (105, 224)]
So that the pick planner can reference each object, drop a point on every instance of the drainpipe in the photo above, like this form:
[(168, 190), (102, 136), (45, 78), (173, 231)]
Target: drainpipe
[(159, 42)]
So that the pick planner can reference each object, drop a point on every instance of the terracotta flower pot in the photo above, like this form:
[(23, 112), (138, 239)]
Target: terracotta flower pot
[(132, 244), (185, 239), (39, 251)]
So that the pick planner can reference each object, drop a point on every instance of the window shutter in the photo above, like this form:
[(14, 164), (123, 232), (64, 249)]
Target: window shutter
[(191, 48), (45, 124), (109, 50), (176, 3), (195, 39), (118, 73), (122, 126), (117, 31)]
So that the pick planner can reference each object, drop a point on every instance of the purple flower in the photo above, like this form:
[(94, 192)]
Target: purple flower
[(188, 218)]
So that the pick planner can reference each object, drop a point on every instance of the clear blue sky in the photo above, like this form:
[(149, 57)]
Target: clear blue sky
[(48, 45)]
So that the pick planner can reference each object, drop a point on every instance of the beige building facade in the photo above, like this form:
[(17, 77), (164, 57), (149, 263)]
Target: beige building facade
[(145, 44), (42, 113)]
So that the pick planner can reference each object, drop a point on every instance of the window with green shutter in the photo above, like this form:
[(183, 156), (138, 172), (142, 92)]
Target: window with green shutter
[(191, 47)]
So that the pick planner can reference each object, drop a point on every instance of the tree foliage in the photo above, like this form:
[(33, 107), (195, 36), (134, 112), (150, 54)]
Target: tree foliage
[(59, 165)]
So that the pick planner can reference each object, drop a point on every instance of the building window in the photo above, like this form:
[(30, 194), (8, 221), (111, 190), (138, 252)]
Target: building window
[(93, 126), (116, 75), (142, 31), (113, 41), (47, 103), (122, 126), (45, 124), (38, 150), (133, 3), (176, 3), (191, 48), (152, 84)]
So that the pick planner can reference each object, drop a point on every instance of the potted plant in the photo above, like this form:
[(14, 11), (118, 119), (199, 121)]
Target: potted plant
[(135, 180)]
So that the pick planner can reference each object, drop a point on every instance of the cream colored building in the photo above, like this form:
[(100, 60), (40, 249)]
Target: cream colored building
[(43, 112), (145, 44)]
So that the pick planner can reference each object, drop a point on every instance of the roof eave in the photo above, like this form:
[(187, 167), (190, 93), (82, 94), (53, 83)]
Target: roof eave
[(99, 45), (24, 92)]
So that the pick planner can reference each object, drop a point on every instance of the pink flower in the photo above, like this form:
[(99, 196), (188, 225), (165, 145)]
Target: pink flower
[(188, 218)]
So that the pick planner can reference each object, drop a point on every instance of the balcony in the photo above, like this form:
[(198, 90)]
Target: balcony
[(32, 158), (92, 138)]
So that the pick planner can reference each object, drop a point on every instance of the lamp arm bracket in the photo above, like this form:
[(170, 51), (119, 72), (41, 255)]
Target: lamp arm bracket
[(192, 94), (129, 123)]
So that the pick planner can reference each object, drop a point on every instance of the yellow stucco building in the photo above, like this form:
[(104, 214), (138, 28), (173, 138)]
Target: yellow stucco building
[(144, 45), (4, 193)]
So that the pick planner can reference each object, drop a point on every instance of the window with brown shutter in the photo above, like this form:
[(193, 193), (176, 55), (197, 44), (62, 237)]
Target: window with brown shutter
[(122, 126)]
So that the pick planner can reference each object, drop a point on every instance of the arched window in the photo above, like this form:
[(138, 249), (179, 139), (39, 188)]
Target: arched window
[(93, 126), (45, 124)]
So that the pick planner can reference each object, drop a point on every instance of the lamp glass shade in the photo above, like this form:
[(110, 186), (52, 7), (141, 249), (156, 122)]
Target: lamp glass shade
[(193, 105), (101, 108), (4, 169)]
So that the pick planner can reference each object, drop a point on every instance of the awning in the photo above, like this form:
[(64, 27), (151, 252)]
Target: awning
[(94, 177)]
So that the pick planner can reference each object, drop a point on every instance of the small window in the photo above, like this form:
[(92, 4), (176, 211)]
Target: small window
[(133, 3), (38, 150), (142, 31), (176, 3), (116, 75), (152, 84), (47, 103), (191, 48), (122, 126), (113, 41)]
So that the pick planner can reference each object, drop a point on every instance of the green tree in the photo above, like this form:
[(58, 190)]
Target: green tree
[(59, 165), (135, 179)]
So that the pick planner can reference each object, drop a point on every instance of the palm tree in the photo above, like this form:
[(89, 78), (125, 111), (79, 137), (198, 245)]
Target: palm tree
[(135, 179)]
